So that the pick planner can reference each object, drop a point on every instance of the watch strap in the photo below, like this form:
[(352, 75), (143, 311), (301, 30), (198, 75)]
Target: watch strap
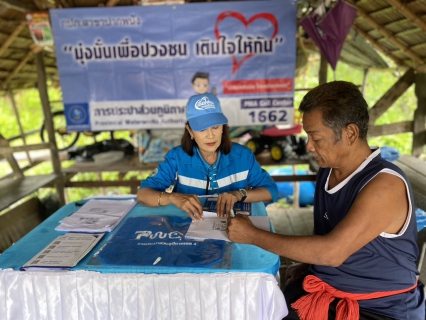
[(243, 193)]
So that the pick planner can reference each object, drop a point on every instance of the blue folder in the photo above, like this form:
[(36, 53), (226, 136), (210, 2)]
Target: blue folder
[(159, 240)]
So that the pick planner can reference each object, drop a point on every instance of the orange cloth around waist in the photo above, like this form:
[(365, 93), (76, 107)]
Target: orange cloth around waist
[(315, 305)]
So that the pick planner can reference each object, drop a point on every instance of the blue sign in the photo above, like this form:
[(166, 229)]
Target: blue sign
[(136, 66)]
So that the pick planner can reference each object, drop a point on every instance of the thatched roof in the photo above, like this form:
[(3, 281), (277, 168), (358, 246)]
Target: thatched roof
[(396, 28)]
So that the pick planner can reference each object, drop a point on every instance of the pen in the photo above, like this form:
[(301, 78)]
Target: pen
[(172, 186)]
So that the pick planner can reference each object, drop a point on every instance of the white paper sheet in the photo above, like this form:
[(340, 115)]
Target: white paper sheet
[(64, 252), (214, 227), (97, 216)]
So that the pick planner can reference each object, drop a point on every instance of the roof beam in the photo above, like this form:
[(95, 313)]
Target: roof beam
[(65, 4), (40, 5), (376, 44), (112, 3), (18, 5), (408, 13), (391, 128), (12, 37), (398, 22), (19, 43), (386, 101), (50, 68), (390, 36), (33, 49)]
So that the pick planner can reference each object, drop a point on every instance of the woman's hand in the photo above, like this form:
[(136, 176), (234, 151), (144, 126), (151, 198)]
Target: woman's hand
[(188, 203), (226, 201)]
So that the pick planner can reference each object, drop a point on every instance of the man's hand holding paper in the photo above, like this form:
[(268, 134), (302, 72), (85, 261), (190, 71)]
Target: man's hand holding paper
[(241, 229), (213, 227)]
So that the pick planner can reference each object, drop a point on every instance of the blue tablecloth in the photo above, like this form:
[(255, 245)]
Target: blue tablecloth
[(244, 258)]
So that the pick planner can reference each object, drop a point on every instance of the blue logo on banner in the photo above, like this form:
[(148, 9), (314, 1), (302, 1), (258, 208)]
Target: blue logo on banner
[(77, 116)]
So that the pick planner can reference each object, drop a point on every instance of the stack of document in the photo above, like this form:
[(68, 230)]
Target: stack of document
[(97, 216), (214, 227)]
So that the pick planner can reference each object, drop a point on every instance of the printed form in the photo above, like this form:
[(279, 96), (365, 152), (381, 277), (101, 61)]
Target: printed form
[(214, 227), (97, 216), (64, 252)]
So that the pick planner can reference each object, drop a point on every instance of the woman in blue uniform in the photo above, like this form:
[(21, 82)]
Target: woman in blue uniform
[(207, 163)]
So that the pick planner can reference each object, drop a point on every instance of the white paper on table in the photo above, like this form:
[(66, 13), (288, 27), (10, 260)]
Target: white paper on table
[(64, 252), (214, 227), (97, 216), (114, 196)]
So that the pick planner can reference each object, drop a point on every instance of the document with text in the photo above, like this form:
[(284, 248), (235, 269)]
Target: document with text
[(214, 227), (97, 216), (64, 252)]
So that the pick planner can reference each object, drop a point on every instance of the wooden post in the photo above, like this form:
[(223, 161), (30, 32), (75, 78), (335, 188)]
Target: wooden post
[(44, 97), (322, 76), (419, 123), (134, 189), (296, 190), (21, 130), (17, 171), (364, 81), (386, 101), (103, 190)]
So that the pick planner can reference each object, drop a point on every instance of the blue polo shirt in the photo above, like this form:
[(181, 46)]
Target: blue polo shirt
[(236, 170), (211, 170)]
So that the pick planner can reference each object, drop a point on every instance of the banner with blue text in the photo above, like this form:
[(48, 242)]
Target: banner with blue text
[(135, 67)]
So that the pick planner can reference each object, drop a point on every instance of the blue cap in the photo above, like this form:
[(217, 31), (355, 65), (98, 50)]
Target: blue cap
[(203, 111)]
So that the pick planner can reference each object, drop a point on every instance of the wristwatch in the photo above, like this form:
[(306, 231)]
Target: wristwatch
[(243, 193)]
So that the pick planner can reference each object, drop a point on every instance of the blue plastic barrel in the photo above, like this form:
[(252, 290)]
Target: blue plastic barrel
[(388, 153), (421, 219), (286, 189)]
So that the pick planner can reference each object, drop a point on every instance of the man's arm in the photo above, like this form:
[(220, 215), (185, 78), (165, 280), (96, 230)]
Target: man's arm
[(381, 206)]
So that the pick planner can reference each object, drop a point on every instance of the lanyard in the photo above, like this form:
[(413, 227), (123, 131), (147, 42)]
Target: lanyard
[(207, 185)]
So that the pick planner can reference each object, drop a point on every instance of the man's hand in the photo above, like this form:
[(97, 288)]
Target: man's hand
[(225, 202), (188, 203), (241, 229)]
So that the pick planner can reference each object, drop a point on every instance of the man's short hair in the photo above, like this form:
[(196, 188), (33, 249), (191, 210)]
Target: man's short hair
[(341, 104), (202, 75)]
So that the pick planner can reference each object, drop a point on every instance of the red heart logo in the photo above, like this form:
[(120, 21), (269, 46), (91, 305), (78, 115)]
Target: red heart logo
[(233, 14)]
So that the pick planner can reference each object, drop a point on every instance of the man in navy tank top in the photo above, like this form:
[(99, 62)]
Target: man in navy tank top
[(360, 263)]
